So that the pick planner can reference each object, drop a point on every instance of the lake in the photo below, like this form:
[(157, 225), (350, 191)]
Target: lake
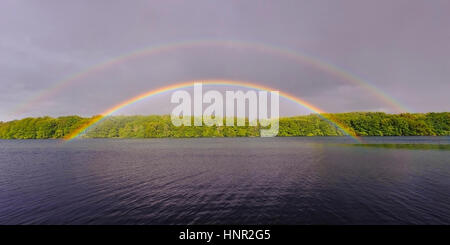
[(298, 180)]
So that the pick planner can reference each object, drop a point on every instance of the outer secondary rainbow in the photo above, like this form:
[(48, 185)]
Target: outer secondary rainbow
[(172, 87), (316, 63)]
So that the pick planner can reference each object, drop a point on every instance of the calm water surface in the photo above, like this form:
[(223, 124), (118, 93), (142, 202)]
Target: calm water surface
[(324, 180)]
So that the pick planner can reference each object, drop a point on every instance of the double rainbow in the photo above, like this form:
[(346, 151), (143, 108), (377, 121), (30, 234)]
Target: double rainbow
[(182, 85), (302, 58)]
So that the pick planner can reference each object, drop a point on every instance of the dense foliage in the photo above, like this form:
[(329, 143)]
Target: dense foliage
[(362, 123)]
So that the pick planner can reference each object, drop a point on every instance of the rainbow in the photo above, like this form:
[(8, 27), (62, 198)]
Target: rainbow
[(284, 52), (182, 85)]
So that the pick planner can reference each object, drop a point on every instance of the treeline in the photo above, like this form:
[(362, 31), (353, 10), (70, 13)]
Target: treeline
[(361, 123)]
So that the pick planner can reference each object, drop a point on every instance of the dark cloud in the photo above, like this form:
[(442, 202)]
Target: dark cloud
[(401, 47)]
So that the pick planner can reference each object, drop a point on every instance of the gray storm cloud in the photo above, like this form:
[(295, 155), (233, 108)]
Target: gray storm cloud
[(400, 47)]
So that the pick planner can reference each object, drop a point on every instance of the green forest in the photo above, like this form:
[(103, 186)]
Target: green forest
[(154, 126)]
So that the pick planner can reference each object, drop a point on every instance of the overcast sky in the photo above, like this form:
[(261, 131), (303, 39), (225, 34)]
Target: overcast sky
[(401, 47)]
